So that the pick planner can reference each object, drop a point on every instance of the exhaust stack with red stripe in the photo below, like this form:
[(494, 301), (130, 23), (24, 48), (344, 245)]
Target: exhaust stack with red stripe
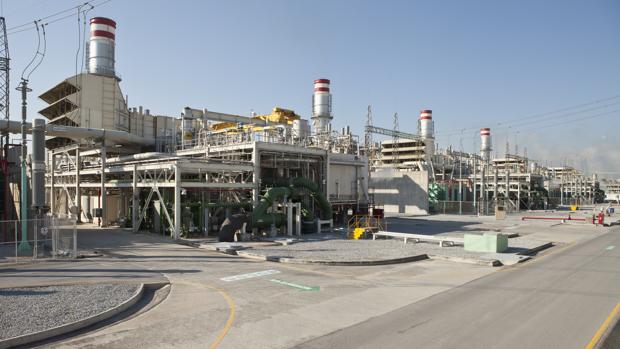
[(485, 143), (427, 129), (321, 106), (101, 46)]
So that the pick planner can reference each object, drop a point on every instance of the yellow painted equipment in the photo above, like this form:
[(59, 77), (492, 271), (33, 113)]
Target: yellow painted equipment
[(278, 115), (358, 233), (362, 226), (573, 207)]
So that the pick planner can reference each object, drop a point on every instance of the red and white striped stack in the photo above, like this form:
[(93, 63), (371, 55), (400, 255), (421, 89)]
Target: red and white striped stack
[(101, 46), (321, 106), (485, 143), (321, 86), (101, 27), (426, 124)]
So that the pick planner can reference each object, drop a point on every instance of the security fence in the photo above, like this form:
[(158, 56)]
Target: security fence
[(49, 237)]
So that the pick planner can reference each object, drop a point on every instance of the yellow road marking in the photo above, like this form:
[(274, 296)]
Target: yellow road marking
[(231, 310), (231, 316), (597, 336)]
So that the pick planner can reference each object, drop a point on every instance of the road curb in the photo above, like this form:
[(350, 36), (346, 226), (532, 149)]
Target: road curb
[(536, 249), (485, 262), (289, 260), (73, 326)]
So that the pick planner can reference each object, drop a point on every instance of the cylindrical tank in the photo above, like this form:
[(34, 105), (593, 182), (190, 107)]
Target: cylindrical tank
[(485, 143), (38, 163), (426, 124), (101, 46), (301, 128), (321, 106)]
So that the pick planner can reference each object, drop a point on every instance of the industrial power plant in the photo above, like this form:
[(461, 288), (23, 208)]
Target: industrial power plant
[(309, 175), (209, 173)]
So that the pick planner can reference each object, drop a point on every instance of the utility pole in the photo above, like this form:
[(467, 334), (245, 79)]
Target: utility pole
[(4, 112), (562, 189), (483, 188), (24, 246), (395, 140), (460, 184), (369, 144), (495, 185), (475, 189)]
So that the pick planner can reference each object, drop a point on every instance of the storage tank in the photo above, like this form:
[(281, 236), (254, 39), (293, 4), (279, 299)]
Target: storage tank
[(301, 128), (426, 124), (485, 143), (321, 106), (101, 46)]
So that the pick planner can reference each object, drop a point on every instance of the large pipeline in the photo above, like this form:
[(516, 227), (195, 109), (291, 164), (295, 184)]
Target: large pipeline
[(140, 156), (78, 133), (569, 218), (260, 217), (287, 188)]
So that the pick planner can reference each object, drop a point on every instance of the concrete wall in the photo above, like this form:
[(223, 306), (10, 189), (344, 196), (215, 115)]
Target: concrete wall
[(612, 197), (346, 172), (400, 193)]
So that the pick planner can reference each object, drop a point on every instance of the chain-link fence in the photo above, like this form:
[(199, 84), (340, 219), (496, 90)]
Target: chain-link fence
[(468, 207), (49, 237)]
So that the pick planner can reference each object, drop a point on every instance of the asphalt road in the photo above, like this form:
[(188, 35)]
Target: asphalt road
[(556, 301)]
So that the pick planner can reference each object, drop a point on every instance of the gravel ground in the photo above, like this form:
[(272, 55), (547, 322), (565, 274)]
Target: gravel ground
[(342, 250), (369, 250), (33, 309)]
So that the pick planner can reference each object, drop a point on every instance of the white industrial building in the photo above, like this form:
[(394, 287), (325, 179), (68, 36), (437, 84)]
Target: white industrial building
[(196, 173)]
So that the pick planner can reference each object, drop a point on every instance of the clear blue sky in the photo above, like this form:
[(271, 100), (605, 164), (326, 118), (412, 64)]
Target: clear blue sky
[(476, 63)]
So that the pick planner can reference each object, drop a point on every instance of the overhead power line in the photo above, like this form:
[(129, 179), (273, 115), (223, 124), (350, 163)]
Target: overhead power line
[(522, 129), (539, 117), (53, 18)]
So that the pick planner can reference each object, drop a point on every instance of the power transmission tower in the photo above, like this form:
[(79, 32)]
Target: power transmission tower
[(4, 71), (369, 144), (4, 113), (395, 139)]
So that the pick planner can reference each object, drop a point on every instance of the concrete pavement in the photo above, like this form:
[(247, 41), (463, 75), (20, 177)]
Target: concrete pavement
[(265, 314), (322, 306), (555, 302)]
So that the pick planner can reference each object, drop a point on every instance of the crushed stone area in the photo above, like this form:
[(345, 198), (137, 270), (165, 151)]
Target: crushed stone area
[(341, 250), (34, 309), (369, 250)]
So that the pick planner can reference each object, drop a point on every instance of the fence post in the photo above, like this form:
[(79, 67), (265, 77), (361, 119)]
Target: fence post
[(74, 240), (54, 237), (15, 230), (35, 231)]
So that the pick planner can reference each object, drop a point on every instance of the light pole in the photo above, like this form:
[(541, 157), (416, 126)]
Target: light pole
[(24, 246)]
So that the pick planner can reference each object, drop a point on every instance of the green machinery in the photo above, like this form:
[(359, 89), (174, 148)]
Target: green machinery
[(284, 188)]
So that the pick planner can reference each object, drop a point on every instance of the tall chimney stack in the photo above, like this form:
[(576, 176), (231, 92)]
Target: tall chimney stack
[(485, 143), (321, 106), (427, 132), (101, 46)]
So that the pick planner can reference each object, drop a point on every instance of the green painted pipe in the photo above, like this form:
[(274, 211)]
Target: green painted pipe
[(260, 217), (301, 182)]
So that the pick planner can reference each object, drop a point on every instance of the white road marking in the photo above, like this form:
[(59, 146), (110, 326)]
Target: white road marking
[(250, 275)]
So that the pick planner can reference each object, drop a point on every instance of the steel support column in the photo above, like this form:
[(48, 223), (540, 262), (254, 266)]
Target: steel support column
[(78, 198), (135, 202), (256, 174), (177, 202), (52, 188), (103, 195)]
